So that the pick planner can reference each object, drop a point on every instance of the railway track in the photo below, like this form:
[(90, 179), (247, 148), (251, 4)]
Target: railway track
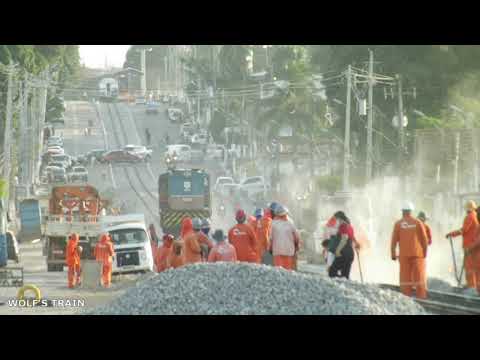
[(446, 303), (115, 120), (438, 302)]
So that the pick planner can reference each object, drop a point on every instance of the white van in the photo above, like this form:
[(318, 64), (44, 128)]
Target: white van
[(131, 242)]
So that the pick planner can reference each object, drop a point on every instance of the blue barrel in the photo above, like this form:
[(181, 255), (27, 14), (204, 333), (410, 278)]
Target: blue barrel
[(3, 250)]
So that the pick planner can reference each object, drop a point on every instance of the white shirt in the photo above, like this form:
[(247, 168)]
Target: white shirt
[(282, 238)]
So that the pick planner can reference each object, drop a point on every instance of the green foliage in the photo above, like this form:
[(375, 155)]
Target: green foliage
[(55, 108), (331, 184), (217, 124), (233, 64)]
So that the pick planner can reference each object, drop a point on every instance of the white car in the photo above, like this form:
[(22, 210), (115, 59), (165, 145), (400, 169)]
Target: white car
[(221, 181), (216, 151), (199, 139), (65, 159), (55, 140), (254, 185), (55, 150), (183, 152), (140, 151), (140, 100)]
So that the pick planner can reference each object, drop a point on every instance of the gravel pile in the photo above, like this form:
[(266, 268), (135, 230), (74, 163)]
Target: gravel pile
[(250, 289)]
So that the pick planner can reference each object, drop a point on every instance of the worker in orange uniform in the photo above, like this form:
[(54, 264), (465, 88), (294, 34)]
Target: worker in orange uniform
[(72, 258), (163, 252), (284, 239), (222, 251), (196, 243), (243, 239), (468, 231), (473, 250), (186, 227), (423, 218), (175, 258), (409, 234), (262, 227), (103, 253)]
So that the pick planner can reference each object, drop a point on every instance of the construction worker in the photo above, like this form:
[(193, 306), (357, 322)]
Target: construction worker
[(163, 252), (175, 258), (72, 258), (423, 218), (341, 245), (473, 250), (243, 239), (262, 227), (222, 251), (186, 227), (468, 232), (272, 208), (206, 227), (409, 234), (284, 239), (196, 244), (103, 253)]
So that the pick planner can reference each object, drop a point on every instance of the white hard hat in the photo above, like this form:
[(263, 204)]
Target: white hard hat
[(408, 206)]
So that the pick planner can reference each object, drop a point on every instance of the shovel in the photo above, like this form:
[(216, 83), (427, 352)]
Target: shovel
[(359, 265), (459, 279)]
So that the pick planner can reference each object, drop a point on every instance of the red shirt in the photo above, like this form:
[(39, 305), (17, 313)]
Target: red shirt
[(244, 240)]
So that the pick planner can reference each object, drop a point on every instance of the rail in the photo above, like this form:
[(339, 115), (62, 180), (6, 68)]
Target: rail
[(445, 303), (114, 122)]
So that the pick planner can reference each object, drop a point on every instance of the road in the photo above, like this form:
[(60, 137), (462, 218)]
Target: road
[(53, 285)]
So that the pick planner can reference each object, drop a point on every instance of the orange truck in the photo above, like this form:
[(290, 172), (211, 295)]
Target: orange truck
[(71, 208)]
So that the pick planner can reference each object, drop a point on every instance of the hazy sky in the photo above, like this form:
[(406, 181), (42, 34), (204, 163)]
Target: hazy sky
[(93, 56)]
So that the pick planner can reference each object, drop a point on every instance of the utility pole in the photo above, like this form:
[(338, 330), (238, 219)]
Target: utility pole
[(6, 168), (400, 119), (370, 119), (144, 71), (346, 144)]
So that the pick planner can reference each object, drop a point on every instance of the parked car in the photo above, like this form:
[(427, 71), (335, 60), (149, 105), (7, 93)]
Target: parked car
[(141, 151), (175, 115), (58, 175), (80, 160), (13, 252), (221, 181), (55, 140), (120, 156), (253, 185), (216, 151), (140, 100), (229, 190), (183, 152), (78, 173), (57, 164), (55, 150), (199, 139), (65, 159)]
